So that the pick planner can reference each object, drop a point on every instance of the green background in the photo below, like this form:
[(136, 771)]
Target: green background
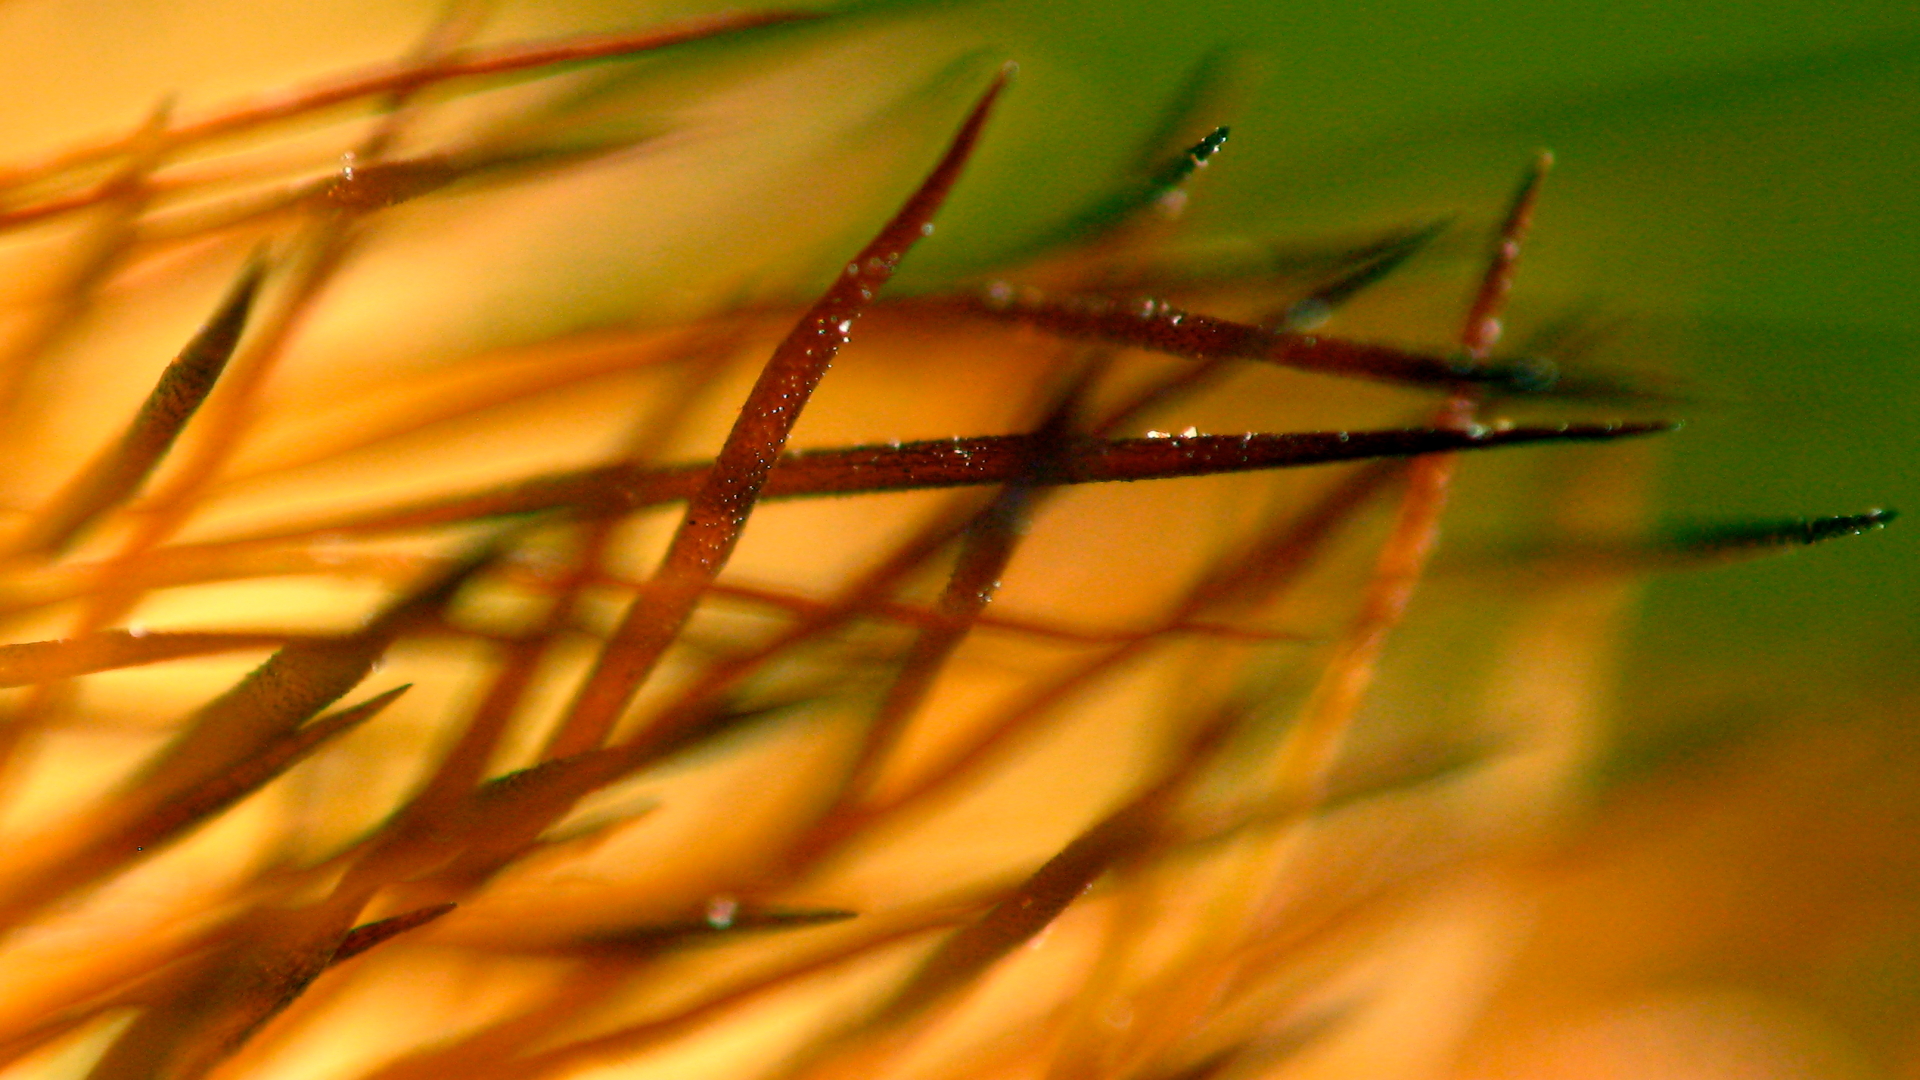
[(1737, 181)]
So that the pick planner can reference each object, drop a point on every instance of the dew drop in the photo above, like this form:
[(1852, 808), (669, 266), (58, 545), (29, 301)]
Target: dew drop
[(720, 912)]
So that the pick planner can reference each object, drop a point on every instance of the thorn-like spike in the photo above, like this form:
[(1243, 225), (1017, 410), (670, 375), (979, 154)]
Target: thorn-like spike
[(184, 795), (719, 509), (1483, 328), (985, 459), (226, 788), (236, 116), (117, 474), (1387, 257), (1028, 909), (1161, 327), (1191, 160), (1795, 532), (366, 936), (31, 662)]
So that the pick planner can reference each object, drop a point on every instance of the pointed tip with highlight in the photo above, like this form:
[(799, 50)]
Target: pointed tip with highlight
[(1760, 537), (118, 473)]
